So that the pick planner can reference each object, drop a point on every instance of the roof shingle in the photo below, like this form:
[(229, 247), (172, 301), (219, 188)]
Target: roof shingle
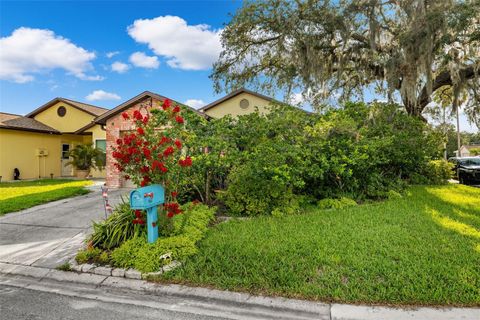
[(17, 122)]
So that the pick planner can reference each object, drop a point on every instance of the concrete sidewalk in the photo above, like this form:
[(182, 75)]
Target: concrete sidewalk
[(50, 234), (203, 301)]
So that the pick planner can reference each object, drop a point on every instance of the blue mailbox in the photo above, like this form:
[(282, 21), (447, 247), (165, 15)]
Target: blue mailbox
[(148, 198)]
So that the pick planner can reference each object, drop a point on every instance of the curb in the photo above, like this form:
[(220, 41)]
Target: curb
[(306, 308), (302, 308)]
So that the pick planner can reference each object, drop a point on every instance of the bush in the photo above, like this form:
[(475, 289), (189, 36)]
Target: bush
[(435, 172), (189, 228), (117, 228), (340, 203), (263, 163), (89, 255)]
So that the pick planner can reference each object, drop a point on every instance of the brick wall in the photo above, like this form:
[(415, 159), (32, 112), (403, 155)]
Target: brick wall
[(115, 127)]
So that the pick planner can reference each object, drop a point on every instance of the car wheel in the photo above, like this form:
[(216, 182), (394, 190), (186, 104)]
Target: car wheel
[(462, 180)]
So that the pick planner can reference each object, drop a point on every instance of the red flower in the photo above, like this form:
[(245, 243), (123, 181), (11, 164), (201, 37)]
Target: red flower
[(144, 169), (125, 116), (168, 151), (146, 180), (140, 131), (178, 143), (138, 213), (166, 104), (187, 162), (164, 140), (145, 120), (179, 119), (176, 109), (127, 177), (174, 194), (170, 214), (158, 165), (119, 141), (137, 115), (147, 153)]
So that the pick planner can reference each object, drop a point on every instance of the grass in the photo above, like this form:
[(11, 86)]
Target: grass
[(422, 249), (15, 196)]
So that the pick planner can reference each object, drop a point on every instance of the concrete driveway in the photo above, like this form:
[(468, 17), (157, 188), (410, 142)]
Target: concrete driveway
[(50, 234)]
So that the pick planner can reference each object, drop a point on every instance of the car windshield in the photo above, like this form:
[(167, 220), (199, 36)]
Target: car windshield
[(470, 162)]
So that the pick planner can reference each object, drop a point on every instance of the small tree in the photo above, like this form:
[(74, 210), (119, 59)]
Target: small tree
[(86, 157), (154, 154)]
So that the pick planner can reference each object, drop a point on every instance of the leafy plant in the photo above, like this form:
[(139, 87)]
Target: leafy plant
[(117, 228), (86, 157), (64, 267), (90, 254), (189, 228)]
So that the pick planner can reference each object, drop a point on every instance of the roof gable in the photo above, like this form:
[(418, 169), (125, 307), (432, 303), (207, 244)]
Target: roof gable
[(234, 94), (127, 104), (87, 108)]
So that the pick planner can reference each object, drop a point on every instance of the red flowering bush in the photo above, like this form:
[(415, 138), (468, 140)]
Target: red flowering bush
[(152, 153)]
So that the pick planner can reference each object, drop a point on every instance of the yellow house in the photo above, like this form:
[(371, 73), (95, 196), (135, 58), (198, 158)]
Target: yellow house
[(37, 144), (238, 102)]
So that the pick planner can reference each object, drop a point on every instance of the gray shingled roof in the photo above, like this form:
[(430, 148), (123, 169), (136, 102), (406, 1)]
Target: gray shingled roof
[(88, 108), (18, 122)]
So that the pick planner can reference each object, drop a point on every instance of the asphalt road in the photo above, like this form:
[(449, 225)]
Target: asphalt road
[(22, 304)]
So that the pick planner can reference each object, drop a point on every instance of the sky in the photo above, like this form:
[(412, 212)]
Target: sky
[(106, 52)]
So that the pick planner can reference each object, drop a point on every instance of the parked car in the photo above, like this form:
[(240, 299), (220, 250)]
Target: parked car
[(467, 169)]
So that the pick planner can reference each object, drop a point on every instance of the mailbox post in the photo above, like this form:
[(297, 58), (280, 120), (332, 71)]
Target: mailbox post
[(149, 198)]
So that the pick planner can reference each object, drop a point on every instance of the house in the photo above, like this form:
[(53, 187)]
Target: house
[(239, 102), (469, 151), (37, 144)]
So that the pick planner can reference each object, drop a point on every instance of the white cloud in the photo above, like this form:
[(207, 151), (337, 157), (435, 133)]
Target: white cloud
[(102, 95), (140, 59), (296, 98), (28, 51), (120, 67), (189, 47), (112, 54), (195, 103)]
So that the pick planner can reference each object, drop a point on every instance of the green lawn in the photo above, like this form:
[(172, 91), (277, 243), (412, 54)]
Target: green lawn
[(423, 249), (15, 196)]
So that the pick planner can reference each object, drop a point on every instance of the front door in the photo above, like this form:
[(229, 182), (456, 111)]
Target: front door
[(67, 170)]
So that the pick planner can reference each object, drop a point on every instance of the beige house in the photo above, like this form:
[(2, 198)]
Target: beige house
[(38, 144), (469, 151), (239, 102)]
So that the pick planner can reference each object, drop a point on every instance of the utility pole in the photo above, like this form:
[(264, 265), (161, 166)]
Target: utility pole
[(455, 105)]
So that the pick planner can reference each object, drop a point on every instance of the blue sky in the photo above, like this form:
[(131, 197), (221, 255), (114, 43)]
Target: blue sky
[(105, 52)]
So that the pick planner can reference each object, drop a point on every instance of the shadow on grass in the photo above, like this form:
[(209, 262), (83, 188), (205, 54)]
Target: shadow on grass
[(457, 210), (31, 200)]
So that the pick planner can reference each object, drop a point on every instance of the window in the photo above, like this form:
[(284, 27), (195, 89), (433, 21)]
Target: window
[(102, 145), (65, 150), (244, 103), (61, 111)]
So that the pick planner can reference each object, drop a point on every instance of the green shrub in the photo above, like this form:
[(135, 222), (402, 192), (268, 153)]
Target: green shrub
[(88, 255), (117, 228), (189, 228), (64, 267), (392, 194), (435, 172), (262, 163), (340, 203)]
